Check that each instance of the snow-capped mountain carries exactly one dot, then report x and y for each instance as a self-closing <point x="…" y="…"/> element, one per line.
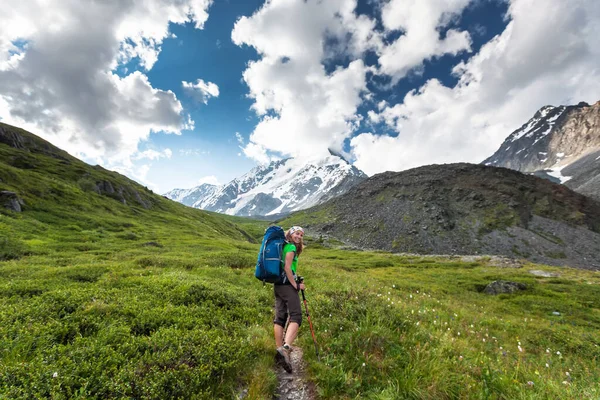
<point x="559" y="143"/>
<point x="191" y="196"/>
<point x="278" y="188"/>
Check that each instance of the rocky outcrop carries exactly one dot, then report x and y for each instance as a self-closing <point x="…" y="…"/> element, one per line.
<point x="11" y="201"/>
<point x="578" y="134"/>
<point x="122" y="193"/>
<point x="501" y="287"/>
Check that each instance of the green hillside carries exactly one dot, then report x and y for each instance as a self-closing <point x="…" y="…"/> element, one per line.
<point x="124" y="294"/>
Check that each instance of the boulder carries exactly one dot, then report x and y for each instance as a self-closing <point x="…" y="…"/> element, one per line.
<point x="10" y="200"/>
<point x="499" y="287"/>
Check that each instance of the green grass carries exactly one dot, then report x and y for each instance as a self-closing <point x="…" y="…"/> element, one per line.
<point x="104" y="314"/>
<point x="188" y="320"/>
<point x="422" y="329"/>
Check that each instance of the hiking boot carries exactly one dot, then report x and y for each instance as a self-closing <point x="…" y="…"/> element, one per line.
<point x="282" y="357"/>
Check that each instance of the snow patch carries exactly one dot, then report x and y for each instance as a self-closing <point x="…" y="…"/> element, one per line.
<point x="556" y="172"/>
<point x="528" y="129"/>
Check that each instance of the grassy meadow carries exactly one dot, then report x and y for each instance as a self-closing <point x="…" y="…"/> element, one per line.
<point x="105" y="300"/>
<point x="155" y="310"/>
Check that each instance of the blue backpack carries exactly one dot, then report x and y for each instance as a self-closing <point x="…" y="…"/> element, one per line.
<point x="268" y="265"/>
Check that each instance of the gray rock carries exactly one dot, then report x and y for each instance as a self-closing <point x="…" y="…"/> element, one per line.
<point x="11" y="201"/>
<point x="544" y="274"/>
<point x="499" y="287"/>
<point x="104" y="187"/>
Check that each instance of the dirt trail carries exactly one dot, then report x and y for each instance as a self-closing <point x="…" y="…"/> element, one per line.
<point x="294" y="386"/>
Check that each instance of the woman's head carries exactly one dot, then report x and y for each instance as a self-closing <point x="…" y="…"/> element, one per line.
<point x="295" y="235"/>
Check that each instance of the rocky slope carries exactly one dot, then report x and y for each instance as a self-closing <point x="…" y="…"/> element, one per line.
<point x="559" y="143"/>
<point x="463" y="209"/>
<point x="278" y="188"/>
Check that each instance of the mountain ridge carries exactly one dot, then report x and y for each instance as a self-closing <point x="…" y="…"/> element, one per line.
<point x="462" y="209"/>
<point x="558" y="143"/>
<point x="281" y="187"/>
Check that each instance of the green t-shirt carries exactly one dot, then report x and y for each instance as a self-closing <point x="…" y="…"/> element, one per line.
<point x="286" y="249"/>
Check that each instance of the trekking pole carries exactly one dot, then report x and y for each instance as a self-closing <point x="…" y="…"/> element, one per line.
<point x="312" y="332"/>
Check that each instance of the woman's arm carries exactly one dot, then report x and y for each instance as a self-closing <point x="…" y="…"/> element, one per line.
<point x="289" y="258"/>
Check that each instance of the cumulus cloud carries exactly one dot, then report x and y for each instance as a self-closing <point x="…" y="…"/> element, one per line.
<point x="257" y="153"/>
<point x="57" y="79"/>
<point x="201" y="90"/>
<point x="546" y="55"/>
<point x="420" y="22"/>
<point x="304" y="108"/>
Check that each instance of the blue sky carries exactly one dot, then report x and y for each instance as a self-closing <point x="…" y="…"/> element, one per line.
<point x="175" y="93"/>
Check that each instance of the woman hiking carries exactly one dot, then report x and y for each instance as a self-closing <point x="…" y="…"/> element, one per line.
<point x="287" y="302"/>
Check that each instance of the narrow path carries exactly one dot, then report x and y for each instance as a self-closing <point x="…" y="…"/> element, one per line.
<point x="294" y="386"/>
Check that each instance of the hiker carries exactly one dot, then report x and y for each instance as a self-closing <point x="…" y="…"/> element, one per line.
<point x="287" y="301"/>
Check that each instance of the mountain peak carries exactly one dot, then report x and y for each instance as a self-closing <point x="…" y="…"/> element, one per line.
<point x="280" y="187"/>
<point x="559" y="143"/>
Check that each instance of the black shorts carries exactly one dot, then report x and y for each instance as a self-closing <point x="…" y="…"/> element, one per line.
<point x="287" y="303"/>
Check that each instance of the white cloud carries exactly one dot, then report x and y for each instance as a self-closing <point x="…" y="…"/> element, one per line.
<point x="211" y="179"/>
<point x="153" y="154"/>
<point x="420" y="22"/>
<point x="257" y="152"/>
<point x="304" y="109"/>
<point x="546" y="55"/>
<point x="57" y="59"/>
<point x="201" y="90"/>
<point x="193" y="152"/>
<point x="239" y="138"/>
